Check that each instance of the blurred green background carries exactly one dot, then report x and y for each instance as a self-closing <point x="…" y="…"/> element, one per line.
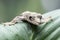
<point x="11" y="8"/>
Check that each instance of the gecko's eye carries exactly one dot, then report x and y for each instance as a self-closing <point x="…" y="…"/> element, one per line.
<point x="31" y="18"/>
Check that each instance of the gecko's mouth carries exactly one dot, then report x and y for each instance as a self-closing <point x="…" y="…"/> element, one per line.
<point x="39" y="23"/>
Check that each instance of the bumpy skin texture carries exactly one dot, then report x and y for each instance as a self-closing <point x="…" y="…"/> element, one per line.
<point x="32" y="17"/>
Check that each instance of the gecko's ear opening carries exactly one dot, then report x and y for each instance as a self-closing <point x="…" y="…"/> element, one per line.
<point x="31" y="18"/>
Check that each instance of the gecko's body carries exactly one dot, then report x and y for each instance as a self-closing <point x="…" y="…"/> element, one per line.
<point x="32" y="17"/>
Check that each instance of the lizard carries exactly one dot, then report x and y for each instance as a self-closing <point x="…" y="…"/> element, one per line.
<point x="32" y="17"/>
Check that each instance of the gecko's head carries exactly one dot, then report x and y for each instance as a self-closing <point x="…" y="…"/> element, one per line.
<point x="33" y="17"/>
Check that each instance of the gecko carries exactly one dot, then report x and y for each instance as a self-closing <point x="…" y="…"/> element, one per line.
<point x="32" y="17"/>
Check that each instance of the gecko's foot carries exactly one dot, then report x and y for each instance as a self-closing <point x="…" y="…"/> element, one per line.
<point x="8" y="23"/>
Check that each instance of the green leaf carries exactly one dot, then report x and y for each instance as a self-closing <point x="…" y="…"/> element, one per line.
<point x="19" y="31"/>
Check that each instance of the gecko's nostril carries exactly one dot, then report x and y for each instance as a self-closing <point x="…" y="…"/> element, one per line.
<point x="40" y="17"/>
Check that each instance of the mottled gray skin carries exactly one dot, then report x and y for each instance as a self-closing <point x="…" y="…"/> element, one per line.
<point x="32" y="17"/>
